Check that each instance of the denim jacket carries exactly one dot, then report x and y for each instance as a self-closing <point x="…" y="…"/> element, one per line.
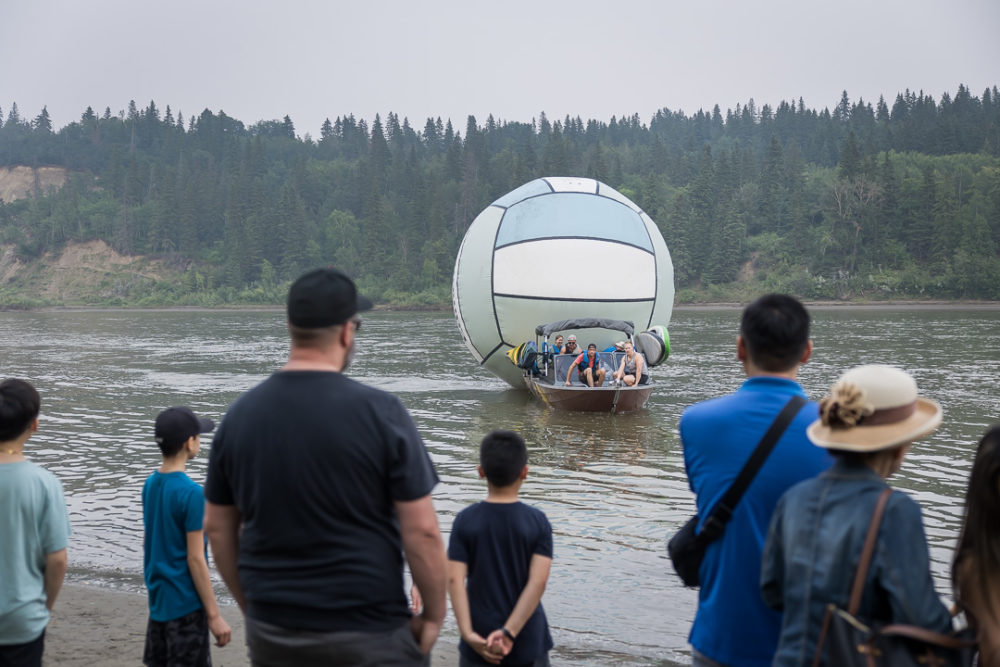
<point x="812" y="551"/>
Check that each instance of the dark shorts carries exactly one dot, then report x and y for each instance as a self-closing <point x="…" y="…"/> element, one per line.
<point x="541" y="661"/>
<point x="28" y="654"/>
<point x="178" y="643"/>
<point x="273" y="646"/>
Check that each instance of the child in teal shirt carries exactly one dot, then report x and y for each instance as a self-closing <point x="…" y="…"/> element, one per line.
<point x="182" y="606"/>
<point x="34" y="528"/>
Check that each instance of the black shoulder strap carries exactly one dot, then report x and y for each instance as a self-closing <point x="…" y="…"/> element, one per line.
<point x="723" y="510"/>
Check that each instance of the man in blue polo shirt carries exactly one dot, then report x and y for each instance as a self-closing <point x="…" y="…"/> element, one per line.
<point x="733" y="626"/>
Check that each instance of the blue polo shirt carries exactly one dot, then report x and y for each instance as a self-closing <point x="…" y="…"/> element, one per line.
<point x="733" y="625"/>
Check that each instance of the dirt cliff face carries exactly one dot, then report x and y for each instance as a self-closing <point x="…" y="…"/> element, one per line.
<point x="21" y="182"/>
<point x="77" y="273"/>
<point x="81" y="274"/>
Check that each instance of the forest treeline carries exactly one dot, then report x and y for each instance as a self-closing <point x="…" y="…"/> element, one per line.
<point x="858" y="201"/>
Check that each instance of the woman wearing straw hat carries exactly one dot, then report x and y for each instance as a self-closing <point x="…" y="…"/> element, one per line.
<point x="868" y="422"/>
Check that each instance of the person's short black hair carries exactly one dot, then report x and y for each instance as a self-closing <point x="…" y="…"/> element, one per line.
<point x="503" y="455"/>
<point x="19" y="407"/>
<point x="775" y="331"/>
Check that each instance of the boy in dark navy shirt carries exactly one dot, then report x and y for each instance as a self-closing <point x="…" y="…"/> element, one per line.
<point x="499" y="555"/>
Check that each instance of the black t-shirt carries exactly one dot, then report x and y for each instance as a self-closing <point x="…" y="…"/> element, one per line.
<point x="496" y="542"/>
<point x="314" y="461"/>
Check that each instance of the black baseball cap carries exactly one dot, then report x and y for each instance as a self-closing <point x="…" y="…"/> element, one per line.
<point x="324" y="298"/>
<point x="175" y="425"/>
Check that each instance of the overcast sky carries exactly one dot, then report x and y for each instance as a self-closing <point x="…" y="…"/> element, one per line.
<point x="263" y="59"/>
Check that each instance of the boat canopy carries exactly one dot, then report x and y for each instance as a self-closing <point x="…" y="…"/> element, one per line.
<point x="585" y="323"/>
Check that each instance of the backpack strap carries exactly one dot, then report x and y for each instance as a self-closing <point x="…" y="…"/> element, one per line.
<point x="723" y="510"/>
<point x="866" y="552"/>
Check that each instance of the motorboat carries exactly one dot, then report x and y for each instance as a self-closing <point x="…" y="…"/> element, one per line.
<point x="544" y="370"/>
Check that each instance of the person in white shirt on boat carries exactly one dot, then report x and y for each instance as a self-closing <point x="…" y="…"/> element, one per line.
<point x="571" y="346"/>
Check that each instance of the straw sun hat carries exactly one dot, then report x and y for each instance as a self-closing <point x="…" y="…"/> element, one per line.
<point x="871" y="408"/>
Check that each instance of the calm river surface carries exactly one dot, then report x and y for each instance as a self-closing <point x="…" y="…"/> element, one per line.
<point x="613" y="487"/>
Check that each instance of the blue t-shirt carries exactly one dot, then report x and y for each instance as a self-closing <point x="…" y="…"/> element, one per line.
<point x="172" y="507"/>
<point x="496" y="542"/>
<point x="733" y="625"/>
<point x="33" y="524"/>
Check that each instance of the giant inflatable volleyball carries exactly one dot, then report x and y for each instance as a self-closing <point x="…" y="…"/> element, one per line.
<point x="557" y="249"/>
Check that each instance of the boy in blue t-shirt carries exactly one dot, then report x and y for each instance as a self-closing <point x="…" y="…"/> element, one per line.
<point x="182" y="607"/>
<point x="499" y="555"/>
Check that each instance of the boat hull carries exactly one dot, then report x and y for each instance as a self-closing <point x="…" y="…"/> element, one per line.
<point x="578" y="398"/>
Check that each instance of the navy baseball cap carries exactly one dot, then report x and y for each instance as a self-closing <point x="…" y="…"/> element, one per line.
<point x="175" y="425"/>
<point x="324" y="298"/>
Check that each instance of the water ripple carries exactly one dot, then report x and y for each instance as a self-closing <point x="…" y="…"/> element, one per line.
<point x="613" y="487"/>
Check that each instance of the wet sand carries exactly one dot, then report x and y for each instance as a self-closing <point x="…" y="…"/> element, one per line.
<point x="100" y="626"/>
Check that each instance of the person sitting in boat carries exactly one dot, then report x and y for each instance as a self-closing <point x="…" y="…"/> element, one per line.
<point x="557" y="347"/>
<point x="571" y="346"/>
<point x="617" y="347"/>
<point x="632" y="368"/>
<point x="588" y="368"/>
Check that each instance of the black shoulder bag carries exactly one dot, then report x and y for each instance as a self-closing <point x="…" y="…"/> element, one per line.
<point x="687" y="547"/>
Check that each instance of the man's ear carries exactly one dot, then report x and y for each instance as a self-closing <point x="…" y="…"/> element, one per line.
<point x="741" y="348"/>
<point x="482" y="473"/>
<point x="806" y="353"/>
<point x="524" y="472"/>
<point x="346" y="331"/>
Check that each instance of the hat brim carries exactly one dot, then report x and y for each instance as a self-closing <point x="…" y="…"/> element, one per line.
<point x="205" y="425"/>
<point x="925" y="418"/>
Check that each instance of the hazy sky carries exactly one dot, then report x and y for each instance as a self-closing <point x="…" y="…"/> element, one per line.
<point x="315" y="59"/>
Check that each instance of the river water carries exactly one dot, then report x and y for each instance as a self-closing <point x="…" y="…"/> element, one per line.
<point x="612" y="486"/>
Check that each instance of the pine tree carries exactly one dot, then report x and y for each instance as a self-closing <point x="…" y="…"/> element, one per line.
<point x="42" y="122"/>
<point x="844" y="108"/>
<point x="379" y="154"/>
<point x="596" y="167"/>
<point x="326" y="130"/>
<point x="850" y="158"/>
<point x="13" y="117"/>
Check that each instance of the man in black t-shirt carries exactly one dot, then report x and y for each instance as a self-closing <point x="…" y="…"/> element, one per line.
<point x="316" y="487"/>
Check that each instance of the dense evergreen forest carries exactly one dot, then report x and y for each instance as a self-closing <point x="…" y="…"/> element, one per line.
<point x="862" y="201"/>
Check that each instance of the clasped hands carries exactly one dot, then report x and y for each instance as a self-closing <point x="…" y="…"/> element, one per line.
<point x="493" y="648"/>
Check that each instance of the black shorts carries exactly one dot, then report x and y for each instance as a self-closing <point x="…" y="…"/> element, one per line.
<point x="178" y="643"/>
<point x="28" y="654"/>
<point x="274" y="646"/>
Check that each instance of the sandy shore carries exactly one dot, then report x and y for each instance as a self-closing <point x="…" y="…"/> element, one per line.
<point x="101" y="626"/>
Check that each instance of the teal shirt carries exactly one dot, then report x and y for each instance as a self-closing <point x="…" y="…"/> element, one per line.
<point x="33" y="524"/>
<point x="172" y="507"/>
